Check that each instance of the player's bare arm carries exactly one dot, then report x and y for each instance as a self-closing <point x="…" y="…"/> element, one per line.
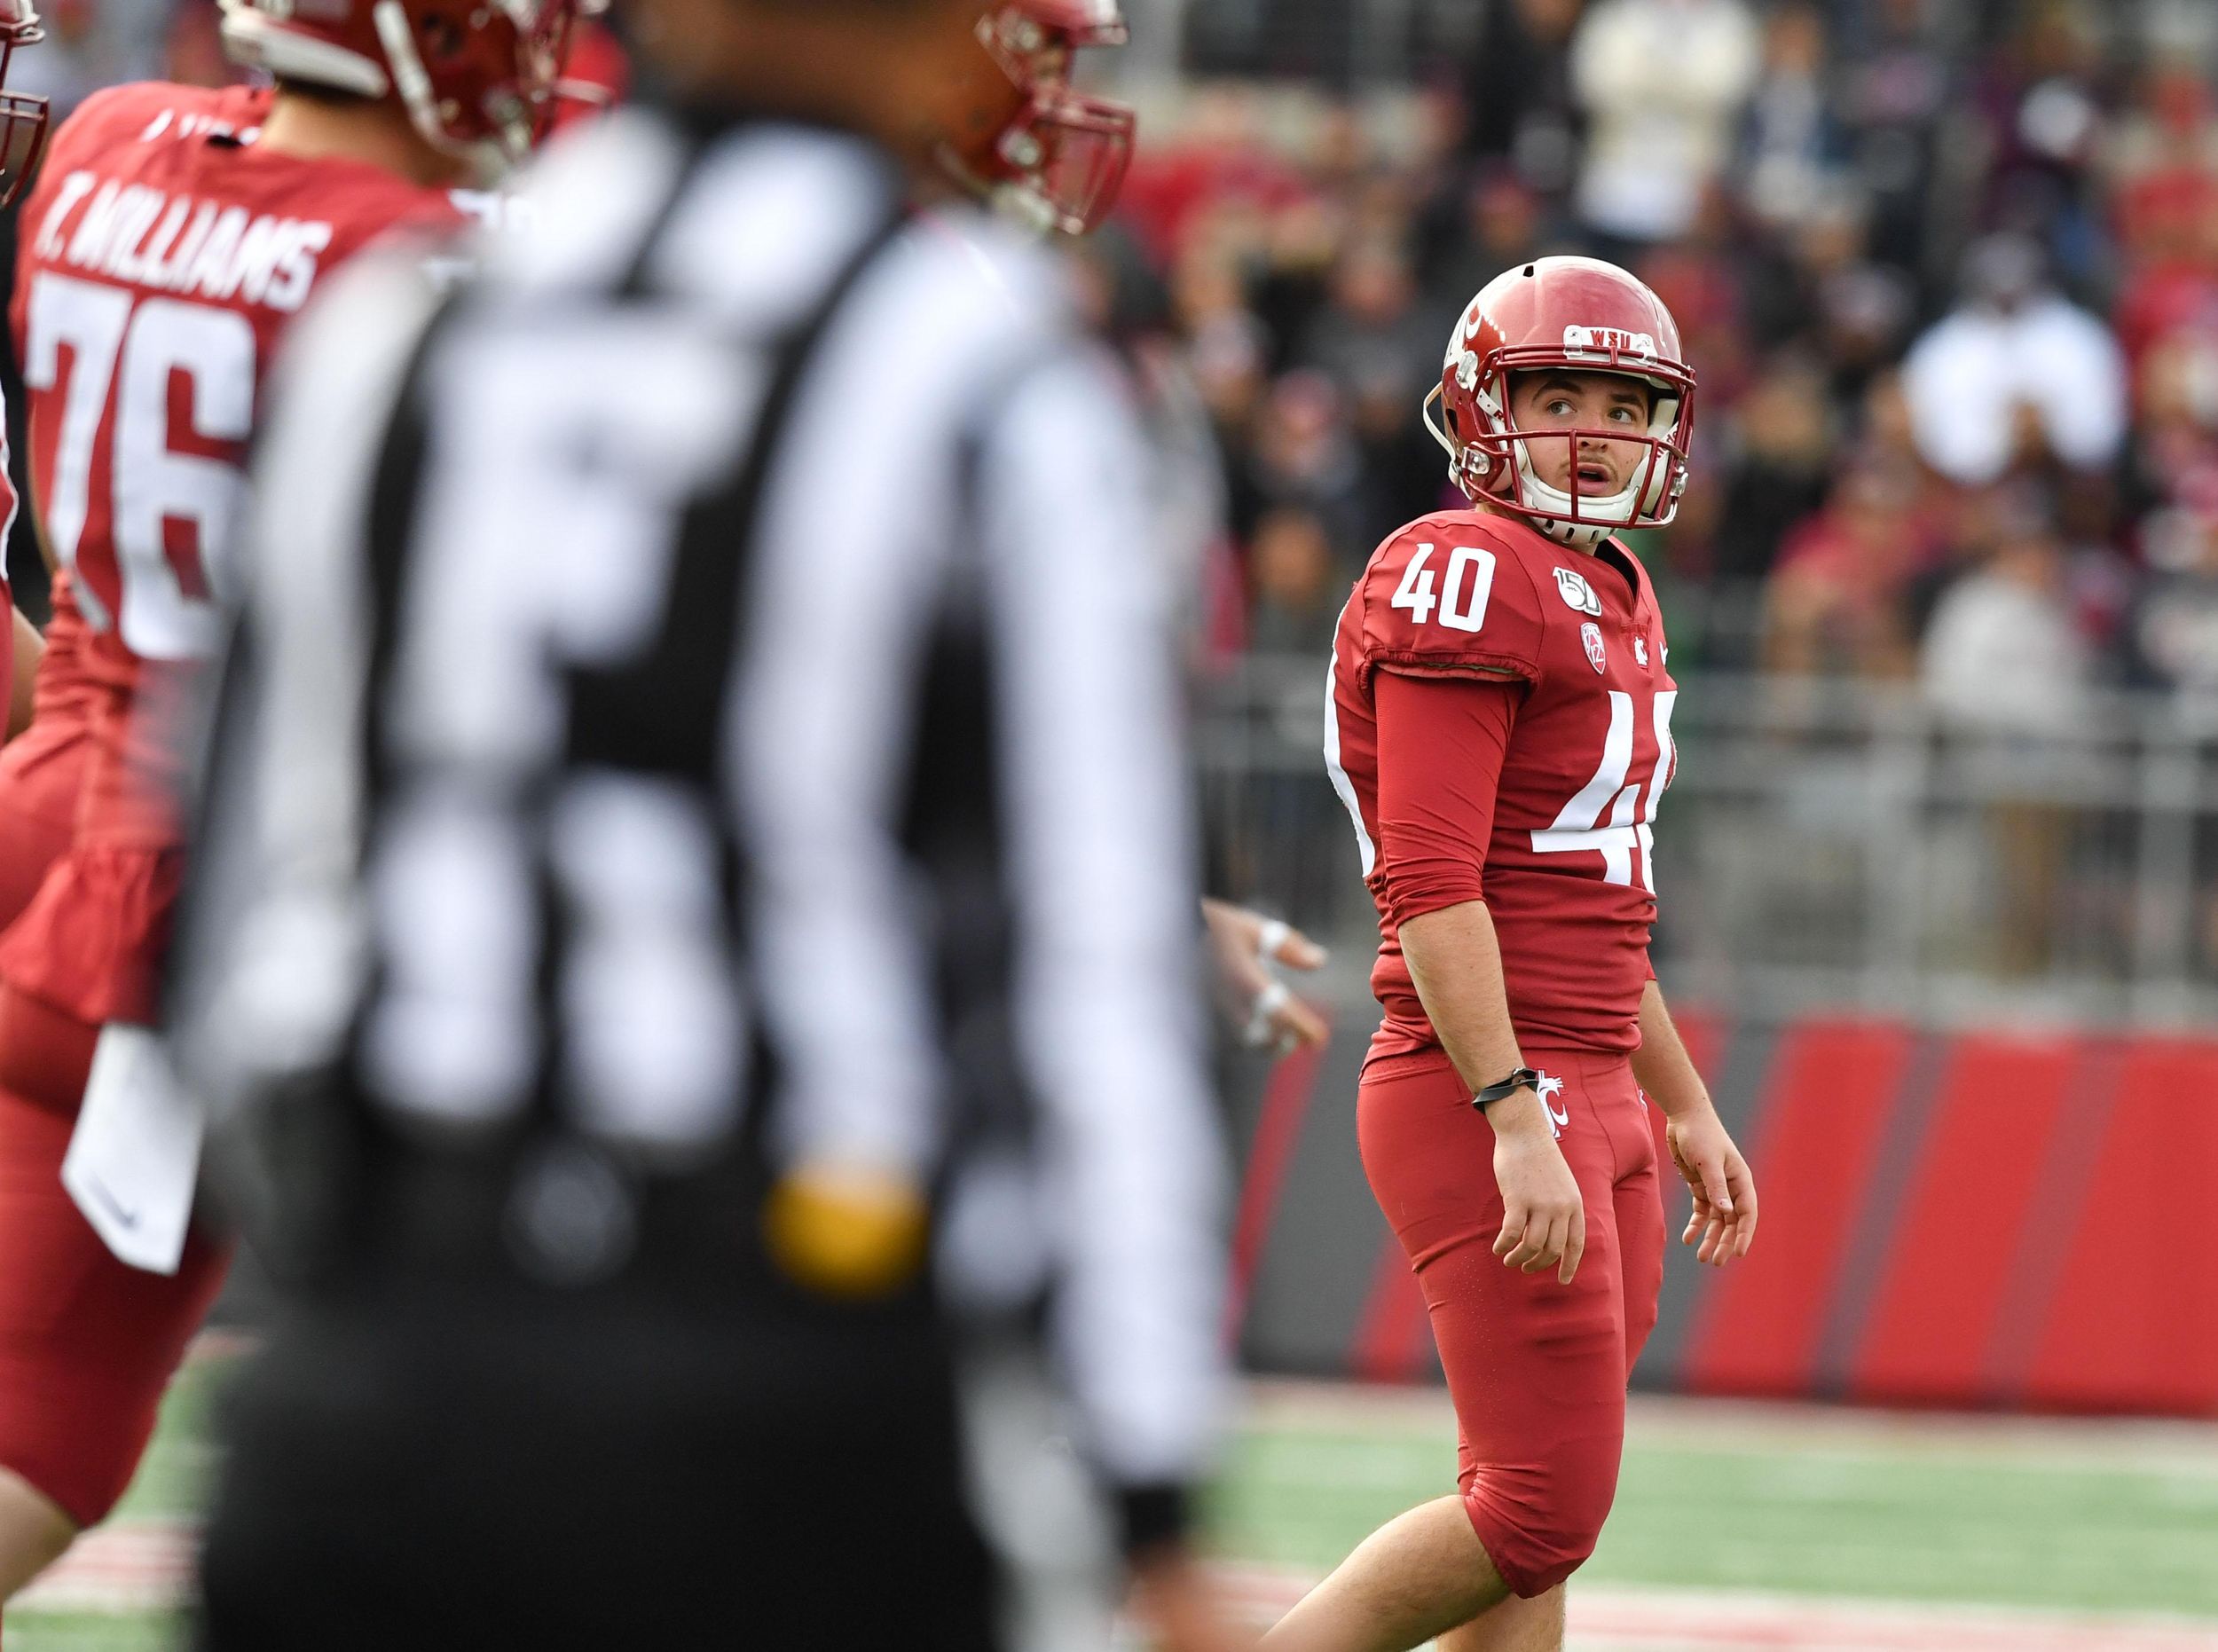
<point x="1456" y="963"/>
<point x="1723" y="1225"/>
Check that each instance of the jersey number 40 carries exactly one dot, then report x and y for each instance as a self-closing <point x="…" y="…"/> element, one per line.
<point x="1462" y="603"/>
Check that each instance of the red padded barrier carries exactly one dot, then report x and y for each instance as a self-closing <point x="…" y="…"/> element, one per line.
<point x="1391" y="1338"/>
<point x="2132" y="1322"/>
<point x="1960" y="1227"/>
<point x="1817" y="1128"/>
<point x="1277" y="1133"/>
<point x="1704" y="1033"/>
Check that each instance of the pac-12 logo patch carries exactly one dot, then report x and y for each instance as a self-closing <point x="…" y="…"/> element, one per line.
<point x="1591" y="635"/>
<point x="1576" y="594"/>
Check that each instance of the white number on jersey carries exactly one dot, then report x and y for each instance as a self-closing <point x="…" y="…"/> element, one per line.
<point x="1415" y="592"/>
<point x="149" y="484"/>
<point x="1615" y="792"/>
<point x="546" y="544"/>
<point x="1463" y="603"/>
<point x="1463" y="607"/>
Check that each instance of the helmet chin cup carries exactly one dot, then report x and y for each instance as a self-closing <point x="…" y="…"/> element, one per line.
<point x="1497" y="471"/>
<point x="1571" y="533"/>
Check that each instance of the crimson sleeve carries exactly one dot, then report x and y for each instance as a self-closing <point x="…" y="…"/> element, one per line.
<point x="1450" y="596"/>
<point x="1441" y="745"/>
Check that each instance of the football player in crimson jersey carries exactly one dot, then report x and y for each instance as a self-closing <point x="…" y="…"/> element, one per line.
<point x="23" y="121"/>
<point x="1499" y="727"/>
<point x="174" y="233"/>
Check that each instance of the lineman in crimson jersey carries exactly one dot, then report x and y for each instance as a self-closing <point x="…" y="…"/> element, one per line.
<point x="174" y="234"/>
<point x="23" y="122"/>
<point x="1499" y="727"/>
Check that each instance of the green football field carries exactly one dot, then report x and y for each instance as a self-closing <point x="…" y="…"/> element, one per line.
<point x="1735" y="1525"/>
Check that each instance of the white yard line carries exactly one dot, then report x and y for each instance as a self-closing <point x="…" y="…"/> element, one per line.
<point x="134" y="1566"/>
<point x="1617" y="1619"/>
<point x="2135" y="1445"/>
<point x="146" y="1566"/>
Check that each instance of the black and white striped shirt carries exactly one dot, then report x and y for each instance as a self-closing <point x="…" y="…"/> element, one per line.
<point x="711" y="706"/>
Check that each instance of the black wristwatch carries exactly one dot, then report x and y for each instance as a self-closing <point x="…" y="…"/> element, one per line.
<point x="1524" y="1078"/>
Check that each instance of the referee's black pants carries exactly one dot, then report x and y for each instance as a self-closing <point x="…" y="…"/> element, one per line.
<point x="460" y="1476"/>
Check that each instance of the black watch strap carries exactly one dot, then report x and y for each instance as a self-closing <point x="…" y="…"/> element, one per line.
<point x="1524" y="1078"/>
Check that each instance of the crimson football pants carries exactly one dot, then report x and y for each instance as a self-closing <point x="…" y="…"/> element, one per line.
<point x="1537" y="1369"/>
<point x="87" y="1344"/>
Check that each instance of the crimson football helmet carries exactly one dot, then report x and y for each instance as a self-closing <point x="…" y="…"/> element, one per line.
<point x="1574" y="315"/>
<point x="470" y="73"/>
<point x="1059" y="162"/>
<point x="23" y="116"/>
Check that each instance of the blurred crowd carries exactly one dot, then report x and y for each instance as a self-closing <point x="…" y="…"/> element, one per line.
<point x="1947" y="270"/>
<point x="1948" y="273"/>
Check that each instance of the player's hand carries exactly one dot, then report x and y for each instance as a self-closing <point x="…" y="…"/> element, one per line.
<point x="1723" y="1225"/>
<point x="1180" y="1609"/>
<point x="1246" y="945"/>
<point x="1543" y="1218"/>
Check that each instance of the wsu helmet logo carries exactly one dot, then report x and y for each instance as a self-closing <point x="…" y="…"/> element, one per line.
<point x="1606" y="341"/>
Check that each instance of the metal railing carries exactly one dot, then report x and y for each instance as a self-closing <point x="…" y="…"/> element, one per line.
<point x="1833" y="845"/>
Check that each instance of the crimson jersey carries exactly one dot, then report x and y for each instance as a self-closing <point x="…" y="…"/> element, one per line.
<point x="1566" y="871"/>
<point x="162" y="255"/>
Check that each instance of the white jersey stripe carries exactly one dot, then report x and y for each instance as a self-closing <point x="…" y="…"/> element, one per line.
<point x="1341" y="784"/>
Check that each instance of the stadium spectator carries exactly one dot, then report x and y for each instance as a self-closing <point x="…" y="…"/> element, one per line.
<point x="1663" y="83"/>
<point x="1792" y="144"/>
<point x="2172" y="633"/>
<point x="2002" y="653"/>
<point x="1786" y="452"/>
<point x="2003" y="661"/>
<point x="1305" y="455"/>
<point x="1838" y="603"/>
<point x="1525" y="115"/>
<point x="1299" y="584"/>
<point x="2040" y="103"/>
<point x="1894" y="78"/>
<point x="1369" y="331"/>
<point x="2015" y="373"/>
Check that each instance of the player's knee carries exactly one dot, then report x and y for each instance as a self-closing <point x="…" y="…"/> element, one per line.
<point x="1540" y="1524"/>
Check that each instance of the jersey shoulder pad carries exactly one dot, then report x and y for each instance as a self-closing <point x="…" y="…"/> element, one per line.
<point x="149" y="111"/>
<point x="104" y="118"/>
<point x="1451" y="595"/>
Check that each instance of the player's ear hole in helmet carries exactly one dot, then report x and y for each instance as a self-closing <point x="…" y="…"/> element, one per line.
<point x="1572" y="316"/>
<point x="23" y="116"/>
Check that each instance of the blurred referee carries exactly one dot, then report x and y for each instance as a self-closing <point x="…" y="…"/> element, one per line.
<point x="696" y="934"/>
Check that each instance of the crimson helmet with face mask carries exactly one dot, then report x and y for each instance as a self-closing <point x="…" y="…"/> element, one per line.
<point x="1574" y="316"/>
<point x="1061" y="159"/>
<point x="474" y="75"/>
<point x="23" y="116"/>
